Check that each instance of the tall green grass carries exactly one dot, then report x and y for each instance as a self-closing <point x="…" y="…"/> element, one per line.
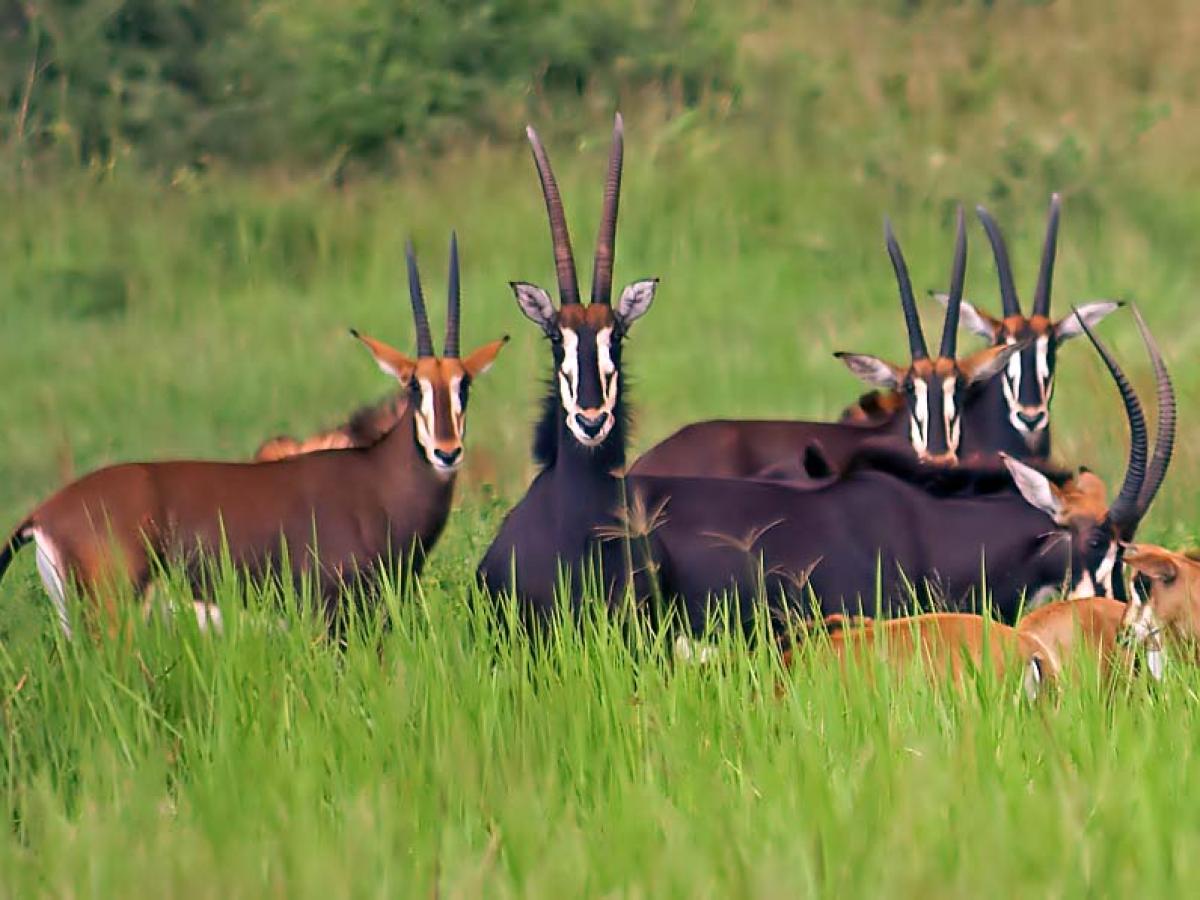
<point x="143" y="318"/>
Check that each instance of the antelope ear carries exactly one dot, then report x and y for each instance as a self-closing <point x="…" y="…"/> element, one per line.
<point x="1038" y="490"/>
<point x="481" y="360"/>
<point x="635" y="300"/>
<point x="1152" y="561"/>
<point x="872" y="370"/>
<point x="971" y="318"/>
<point x="536" y="304"/>
<point x="1093" y="313"/>
<point x="390" y="360"/>
<point x="988" y="363"/>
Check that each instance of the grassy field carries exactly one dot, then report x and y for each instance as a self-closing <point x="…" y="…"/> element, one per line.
<point x="197" y="315"/>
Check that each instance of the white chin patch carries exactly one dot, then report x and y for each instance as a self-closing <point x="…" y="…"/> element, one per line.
<point x="583" y="437"/>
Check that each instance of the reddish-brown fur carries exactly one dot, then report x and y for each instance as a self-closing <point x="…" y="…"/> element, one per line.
<point x="1090" y="625"/>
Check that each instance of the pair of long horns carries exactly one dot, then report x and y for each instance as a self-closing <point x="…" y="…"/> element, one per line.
<point x="424" y="337"/>
<point x="1008" y="290"/>
<point x="564" y="258"/>
<point x="1142" y="480"/>
<point x="912" y="321"/>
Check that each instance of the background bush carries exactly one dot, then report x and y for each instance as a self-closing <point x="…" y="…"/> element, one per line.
<point x="180" y="83"/>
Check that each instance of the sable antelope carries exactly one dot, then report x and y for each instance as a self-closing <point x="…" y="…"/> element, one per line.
<point x="580" y="438"/>
<point x="1015" y="408"/>
<point x="887" y="528"/>
<point x="341" y="514"/>
<point x="934" y="397"/>
<point x="364" y="428"/>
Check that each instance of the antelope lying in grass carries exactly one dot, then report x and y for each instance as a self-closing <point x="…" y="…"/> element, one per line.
<point x="948" y="645"/>
<point x="1042" y="645"/>
<point x="930" y="414"/>
<point x="341" y="515"/>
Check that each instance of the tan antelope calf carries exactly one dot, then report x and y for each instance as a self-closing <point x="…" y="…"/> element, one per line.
<point x="1094" y="626"/>
<point x="1166" y="596"/>
<point x="950" y="645"/>
<point x="341" y="516"/>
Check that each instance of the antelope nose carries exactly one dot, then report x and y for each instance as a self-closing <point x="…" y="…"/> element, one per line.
<point x="1031" y="419"/>
<point x="591" y="425"/>
<point x="448" y="457"/>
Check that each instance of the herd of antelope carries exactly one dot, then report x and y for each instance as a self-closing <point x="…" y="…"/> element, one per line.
<point x="934" y="491"/>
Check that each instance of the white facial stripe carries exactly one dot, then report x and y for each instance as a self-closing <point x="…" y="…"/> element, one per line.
<point x="1042" y="352"/>
<point x="920" y="416"/>
<point x="953" y="423"/>
<point x="568" y="373"/>
<point x="456" y="405"/>
<point x="608" y="370"/>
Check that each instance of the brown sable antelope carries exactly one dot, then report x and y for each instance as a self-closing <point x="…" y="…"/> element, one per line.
<point x="1018" y="402"/>
<point x="364" y="428"/>
<point x="950" y="645"/>
<point x="934" y="406"/>
<point x="341" y="515"/>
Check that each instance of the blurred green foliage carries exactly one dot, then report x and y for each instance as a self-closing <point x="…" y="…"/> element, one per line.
<point x="181" y="82"/>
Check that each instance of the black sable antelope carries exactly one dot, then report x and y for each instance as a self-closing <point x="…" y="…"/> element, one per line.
<point x="1018" y="402"/>
<point x="936" y="405"/>
<point x="923" y="527"/>
<point x="341" y="514"/>
<point x="580" y="440"/>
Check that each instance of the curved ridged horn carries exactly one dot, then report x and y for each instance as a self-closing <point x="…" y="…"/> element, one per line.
<point x="916" y="340"/>
<point x="451" y="351"/>
<point x="958" y="274"/>
<point x="606" y="238"/>
<point x="1164" y="437"/>
<point x="1008" y="290"/>
<point x="1041" y="296"/>
<point x="564" y="259"/>
<point x="1123" y="513"/>
<point x="424" y="340"/>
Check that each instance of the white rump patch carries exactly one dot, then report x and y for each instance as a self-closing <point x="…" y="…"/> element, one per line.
<point x="52" y="572"/>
